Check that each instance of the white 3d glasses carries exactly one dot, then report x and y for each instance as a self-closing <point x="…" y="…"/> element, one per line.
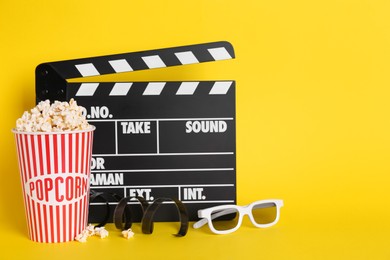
<point x="225" y="219"/>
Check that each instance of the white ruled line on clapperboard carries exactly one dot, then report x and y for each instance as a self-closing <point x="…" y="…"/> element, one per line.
<point x="154" y="139"/>
<point x="195" y="194"/>
<point x="115" y="121"/>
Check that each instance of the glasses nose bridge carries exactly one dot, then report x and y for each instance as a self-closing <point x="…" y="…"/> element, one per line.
<point x="246" y="210"/>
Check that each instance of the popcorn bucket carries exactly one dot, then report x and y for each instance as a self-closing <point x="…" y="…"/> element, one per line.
<point x="55" y="169"/>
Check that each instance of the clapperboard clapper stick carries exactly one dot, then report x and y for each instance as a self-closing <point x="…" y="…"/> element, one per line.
<point x="154" y="139"/>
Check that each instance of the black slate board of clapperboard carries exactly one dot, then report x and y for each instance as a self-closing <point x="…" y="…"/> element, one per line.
<point x="154" y="139"/>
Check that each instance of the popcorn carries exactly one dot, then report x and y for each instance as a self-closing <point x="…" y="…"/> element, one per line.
<point x="101" y="232"/>
<point x="82" y="237"/>
<point x="91" y="231"/>
<point x="59" y="116"/>
<point x="127" y="233"/>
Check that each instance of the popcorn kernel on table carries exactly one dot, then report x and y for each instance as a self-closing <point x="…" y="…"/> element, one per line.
<point x="101" y="232"/>
<point x="128" y="233"/>
<point x="89" y="231"/>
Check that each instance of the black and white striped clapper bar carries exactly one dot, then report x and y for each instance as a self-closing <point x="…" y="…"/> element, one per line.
<point x="154" y="139"/>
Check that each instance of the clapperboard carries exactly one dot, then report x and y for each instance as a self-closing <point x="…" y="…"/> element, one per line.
<point x="154" y="139"/>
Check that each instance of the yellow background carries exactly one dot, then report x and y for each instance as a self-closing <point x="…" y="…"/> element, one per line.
<point x="313" y="109"/>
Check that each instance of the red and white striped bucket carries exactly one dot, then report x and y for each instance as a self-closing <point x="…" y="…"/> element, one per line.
<point x="55" y="170"/>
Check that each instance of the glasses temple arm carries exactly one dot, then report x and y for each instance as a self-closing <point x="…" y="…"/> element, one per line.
<point x="203" y="221"/>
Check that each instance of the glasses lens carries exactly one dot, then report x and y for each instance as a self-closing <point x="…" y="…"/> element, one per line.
<point x="264" y="213"/>
<point x="226" y="219"/>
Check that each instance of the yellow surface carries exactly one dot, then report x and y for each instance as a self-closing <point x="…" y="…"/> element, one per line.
<point x="313" y="127"/>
